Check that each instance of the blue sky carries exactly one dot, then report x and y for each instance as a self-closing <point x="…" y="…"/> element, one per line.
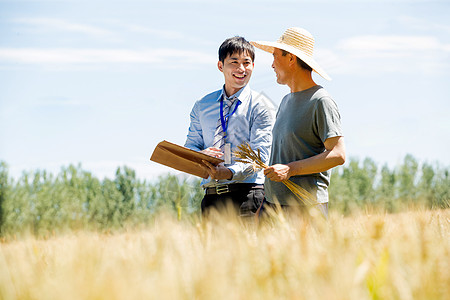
<point x="102" y="82"/>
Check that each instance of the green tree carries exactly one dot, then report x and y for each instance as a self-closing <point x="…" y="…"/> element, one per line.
<point x="4" y="191"/>
<point x="427" y="184"/>
<point x="406" y="176"/>
<point x="40" y="202"/>
<point x="442" y="189"/>
<point x="175" y="192"/>
<point x="339" y="190"/>
<point x="386" y="189"/>
<point x="126" y="184"/>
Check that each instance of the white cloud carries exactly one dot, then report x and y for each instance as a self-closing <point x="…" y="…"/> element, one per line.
<point x="99" y="56"/>
<point x="166" y="34"/>
<point x="58" y="101"/>
<point x="400" y="54"/>
<point x="418" y="25"/>
<point x="373" y="44"/>
<point x="328" y="60"/>
<point x="59" y="25"/>
<point x="63" y="25"/>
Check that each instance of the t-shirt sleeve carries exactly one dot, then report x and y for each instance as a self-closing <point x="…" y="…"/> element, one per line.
<point x="327" y="119"/>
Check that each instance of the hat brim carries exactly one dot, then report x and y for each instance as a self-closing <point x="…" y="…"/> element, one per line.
<point x="269" y="47"/>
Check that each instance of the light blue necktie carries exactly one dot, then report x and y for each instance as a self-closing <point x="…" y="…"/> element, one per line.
<point x="219" y="135"/>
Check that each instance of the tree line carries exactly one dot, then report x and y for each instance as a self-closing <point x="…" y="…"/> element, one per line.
<point x="40" y="202"/>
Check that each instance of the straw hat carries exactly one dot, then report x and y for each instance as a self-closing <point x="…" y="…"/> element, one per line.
<point x="299" y="42"/>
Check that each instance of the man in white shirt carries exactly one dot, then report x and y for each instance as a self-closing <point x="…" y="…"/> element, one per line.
<point x="226" y="118"/>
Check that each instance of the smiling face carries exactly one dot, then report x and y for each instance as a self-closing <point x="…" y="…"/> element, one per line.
<point x="280" y="65"/>
<point x="237" y="69"/>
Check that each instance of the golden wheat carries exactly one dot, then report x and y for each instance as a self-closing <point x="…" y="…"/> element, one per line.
<point x="366" y="256"/>
<point x="246" y="154"/>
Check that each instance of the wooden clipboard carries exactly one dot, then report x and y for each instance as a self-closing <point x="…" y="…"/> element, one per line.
<point x="182" y="158"/>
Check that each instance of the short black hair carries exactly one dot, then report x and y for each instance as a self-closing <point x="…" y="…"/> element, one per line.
<point x="300" y="62"/>
<point x="236" y="44"/>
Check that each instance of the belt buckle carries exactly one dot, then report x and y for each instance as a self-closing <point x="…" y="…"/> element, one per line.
<point x="222" y="189"/>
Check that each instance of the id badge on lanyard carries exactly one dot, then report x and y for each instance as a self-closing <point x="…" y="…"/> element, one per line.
<point x="224" y="122"/>
<point x="227" y="153"/>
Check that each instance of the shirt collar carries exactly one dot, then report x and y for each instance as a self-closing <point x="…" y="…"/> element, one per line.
<point x="241" y="95"/>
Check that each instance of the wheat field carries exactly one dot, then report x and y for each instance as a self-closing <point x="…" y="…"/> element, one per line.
<point x="363" y="256"/>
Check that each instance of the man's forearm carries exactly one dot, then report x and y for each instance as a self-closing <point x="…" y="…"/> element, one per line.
<point x="316" y="164"/>
<point x="333" y="156"/>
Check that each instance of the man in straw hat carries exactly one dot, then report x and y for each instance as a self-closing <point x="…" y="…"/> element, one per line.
<point x="307" y="135"/>
<point x="226" y="118"/>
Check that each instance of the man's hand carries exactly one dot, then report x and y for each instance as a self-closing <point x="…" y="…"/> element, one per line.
<point x="218" y="172"/>
<point x="278" y="172"/>
<point x="214" y="152"/>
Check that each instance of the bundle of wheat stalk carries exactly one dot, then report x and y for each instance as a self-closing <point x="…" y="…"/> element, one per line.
<point x="245" y="154"/>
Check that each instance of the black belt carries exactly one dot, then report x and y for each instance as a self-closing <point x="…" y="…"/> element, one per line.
<point x="230" y="188"/>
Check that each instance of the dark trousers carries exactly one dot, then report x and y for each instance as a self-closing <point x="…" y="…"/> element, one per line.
<point x="244" y="201"/>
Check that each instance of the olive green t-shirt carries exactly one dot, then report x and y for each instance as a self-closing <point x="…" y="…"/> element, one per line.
<point x="305" y="120"/>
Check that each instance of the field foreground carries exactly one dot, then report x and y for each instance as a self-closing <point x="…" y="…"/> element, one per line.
<point x="366" y="256"/>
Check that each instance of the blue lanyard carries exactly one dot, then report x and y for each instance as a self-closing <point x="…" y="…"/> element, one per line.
<point x="224" y="120"/>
